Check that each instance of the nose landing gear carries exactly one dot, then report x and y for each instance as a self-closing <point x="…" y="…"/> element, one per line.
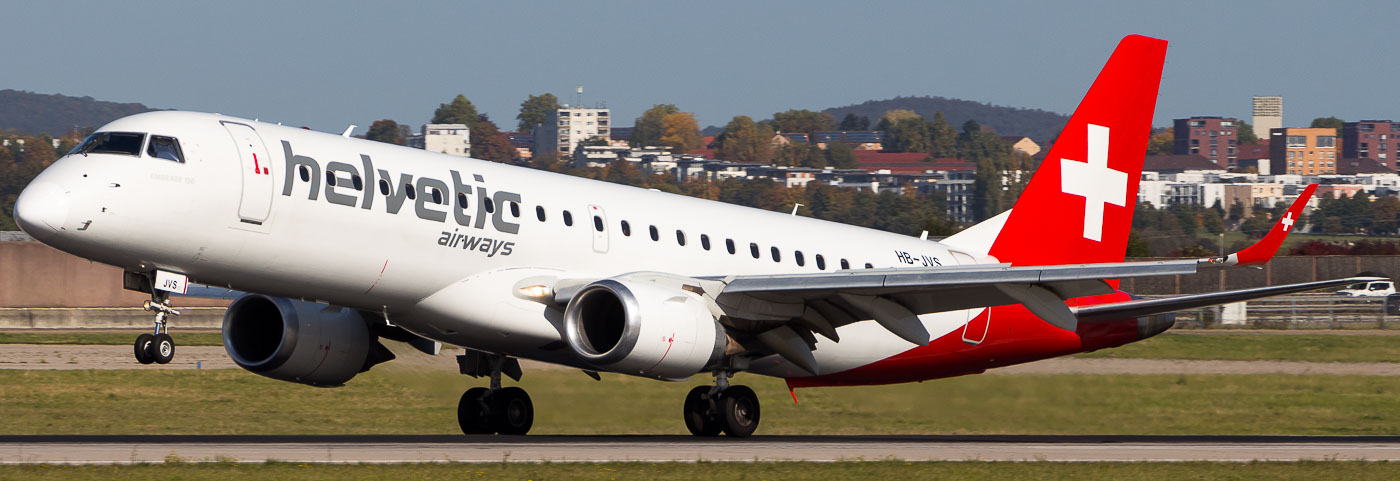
<point x="157" y="347"/>
<point x="733" y="410"/>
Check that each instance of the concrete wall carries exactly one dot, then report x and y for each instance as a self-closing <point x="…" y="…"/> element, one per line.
<point x="36" y="275"/>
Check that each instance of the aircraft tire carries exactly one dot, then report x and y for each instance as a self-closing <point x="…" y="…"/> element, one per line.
<point x="471" y="413"/>
<point x="162" y="348"/>
<point x="739" y="412"/>
<point x="511" y="411"/>
<point x="699" y="418"/>
<point x="142" y="349"/>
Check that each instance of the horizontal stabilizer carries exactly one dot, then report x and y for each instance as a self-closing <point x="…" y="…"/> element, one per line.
<point x="1124" y="310"/>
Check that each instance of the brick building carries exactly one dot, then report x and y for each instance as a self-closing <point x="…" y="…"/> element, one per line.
<point x="1371" y="139"/>
<point x="1214" y="138"/>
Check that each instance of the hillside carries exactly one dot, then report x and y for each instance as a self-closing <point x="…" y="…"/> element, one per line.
<point x="1033" y="123"/>
<point x="31" y="113"/>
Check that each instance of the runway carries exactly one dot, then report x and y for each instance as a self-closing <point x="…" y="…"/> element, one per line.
<point x="450" y="448"/>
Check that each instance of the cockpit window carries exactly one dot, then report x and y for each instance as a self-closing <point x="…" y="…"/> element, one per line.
<point x="125" y="143"/>
<point x="165" y="148"/>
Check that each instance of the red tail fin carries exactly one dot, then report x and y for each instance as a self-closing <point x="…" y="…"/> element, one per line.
<point x="1079" y="205"/>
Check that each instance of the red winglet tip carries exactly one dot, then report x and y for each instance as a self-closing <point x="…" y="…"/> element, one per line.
<point x="1262" y="251"/>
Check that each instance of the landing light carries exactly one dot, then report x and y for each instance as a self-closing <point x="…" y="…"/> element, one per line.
<point x="536" y="291"/>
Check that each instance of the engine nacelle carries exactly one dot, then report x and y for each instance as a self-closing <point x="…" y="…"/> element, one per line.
<point x="644" y="327"/>
<point x="300" y="341"/>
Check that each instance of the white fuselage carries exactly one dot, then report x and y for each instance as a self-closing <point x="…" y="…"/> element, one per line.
<point x="440" y="270"/>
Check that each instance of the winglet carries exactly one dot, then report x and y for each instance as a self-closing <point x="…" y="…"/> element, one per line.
<point x="1262" y="251"/>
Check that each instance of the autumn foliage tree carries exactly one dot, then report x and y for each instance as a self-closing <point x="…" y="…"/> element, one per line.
<point x="680" y="132"/>
<point x="744" y="141"/>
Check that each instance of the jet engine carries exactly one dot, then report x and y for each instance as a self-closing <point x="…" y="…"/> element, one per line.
<point x="650" y="327"/>
<point x="300" y="341"/>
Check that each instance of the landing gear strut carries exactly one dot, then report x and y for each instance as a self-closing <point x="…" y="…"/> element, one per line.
<point x="494" y="410"/>
<point x="731" y="409"/>
<point x="157" y="347"/>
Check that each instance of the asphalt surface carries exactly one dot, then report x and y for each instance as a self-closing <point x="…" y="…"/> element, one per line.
<point x="397" y="449"/>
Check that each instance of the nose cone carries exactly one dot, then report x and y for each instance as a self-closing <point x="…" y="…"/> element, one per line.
<point x="42" y="209"/>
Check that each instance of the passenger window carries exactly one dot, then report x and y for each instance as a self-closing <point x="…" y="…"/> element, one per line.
<point x="797" y="256"/>
<point x="597" y="223"/>
<point x="358" y="182"/>
<point x="680" y="237"/>
<point x="306" y="177"/>
<point x="165" y="148"/>
<point x="461" y="200"/>
<point x="777" y="257"/>
<point x="125" y="143"/>
<point x="704" y="242"/>
<point x="330" y="178"/>
<point x="568" y="219"/>
<point x="845" y="265"/>
<point x="383" y="184"/>
<point x="437" y="196"/>
<point x="654" y="235"/>
<point x="539" y="213"/>
<point x="626" y="229"/>
<point x="821" y="263"/>
<point x="753" y="249"/>
<point x="868" y="266"/>
<point x="412" y="193"/>
<point x="490" y="205"/>
<point x="729" y="245"/>
<point x="514" y="210"/>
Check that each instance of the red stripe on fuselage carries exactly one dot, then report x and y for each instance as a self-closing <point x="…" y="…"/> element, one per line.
<point x="1014" y="336"/>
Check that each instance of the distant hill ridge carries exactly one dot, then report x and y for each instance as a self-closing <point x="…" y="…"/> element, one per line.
<point x="54" y="114"/>
<point x="1034" y="123"/>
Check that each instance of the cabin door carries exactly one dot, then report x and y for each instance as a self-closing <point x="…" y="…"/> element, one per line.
<point x="256" y="173"/>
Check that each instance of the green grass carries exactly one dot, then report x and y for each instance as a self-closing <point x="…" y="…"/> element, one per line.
<point x="1255" y="347"/>
<point x="413" y="402"/>
<point x="1306" y="470"/>
<point x="106" y="338"/>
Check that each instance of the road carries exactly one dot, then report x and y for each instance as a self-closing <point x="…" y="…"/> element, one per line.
<point x="395" y="449"/>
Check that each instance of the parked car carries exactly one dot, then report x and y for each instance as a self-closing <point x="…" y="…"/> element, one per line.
<point x="1369" y="289"/>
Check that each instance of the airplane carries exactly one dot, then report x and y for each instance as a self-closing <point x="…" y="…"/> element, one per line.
<point x="332" y="243"/>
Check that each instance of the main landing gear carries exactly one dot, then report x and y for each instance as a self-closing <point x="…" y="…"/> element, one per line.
<point x="722" y="407"/>
<point x="494" y="410"/>
<point x="157" y="347"/>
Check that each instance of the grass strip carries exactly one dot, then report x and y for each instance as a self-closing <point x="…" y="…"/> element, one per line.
<point x="409" y="401"/>
<point x="106" y="338"/>
<point x="1305" y="470"/>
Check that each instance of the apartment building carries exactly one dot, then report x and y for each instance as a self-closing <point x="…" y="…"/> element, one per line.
<point x="1300" y="151"/>
<point x="565" y="127"/>
<point x="1372" y="139"/>
<point x="1214" y="138"/>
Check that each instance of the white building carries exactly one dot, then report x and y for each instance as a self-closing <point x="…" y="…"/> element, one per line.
<point x="452" y="139"/>
<point x="565" y="127"/>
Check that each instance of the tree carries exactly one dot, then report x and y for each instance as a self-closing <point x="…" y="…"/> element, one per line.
<point x="489" y="143"/>
<point x="805" y="121"/>
<point x="680" y="132"/>
<point x="905" y="131"/>
<point x="1328" y="122"/>
<point x="38" y="151"/>
<point x="743" y="141"/>
<point x="841" y="155"/>
<point x="385" y="130"/>
<point x="852" y="122"/>
<point x="647" y="130"/>
<point x="534" y="110"/>
<point x="1244" y="133"/>
<point x="976" y="143"/>
<point x="1161" y="143"/>
<point x="943" y="138"/>
<point x="460" y="111"/>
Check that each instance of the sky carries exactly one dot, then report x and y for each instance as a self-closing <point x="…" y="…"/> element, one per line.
<point x="328" y="64"/>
